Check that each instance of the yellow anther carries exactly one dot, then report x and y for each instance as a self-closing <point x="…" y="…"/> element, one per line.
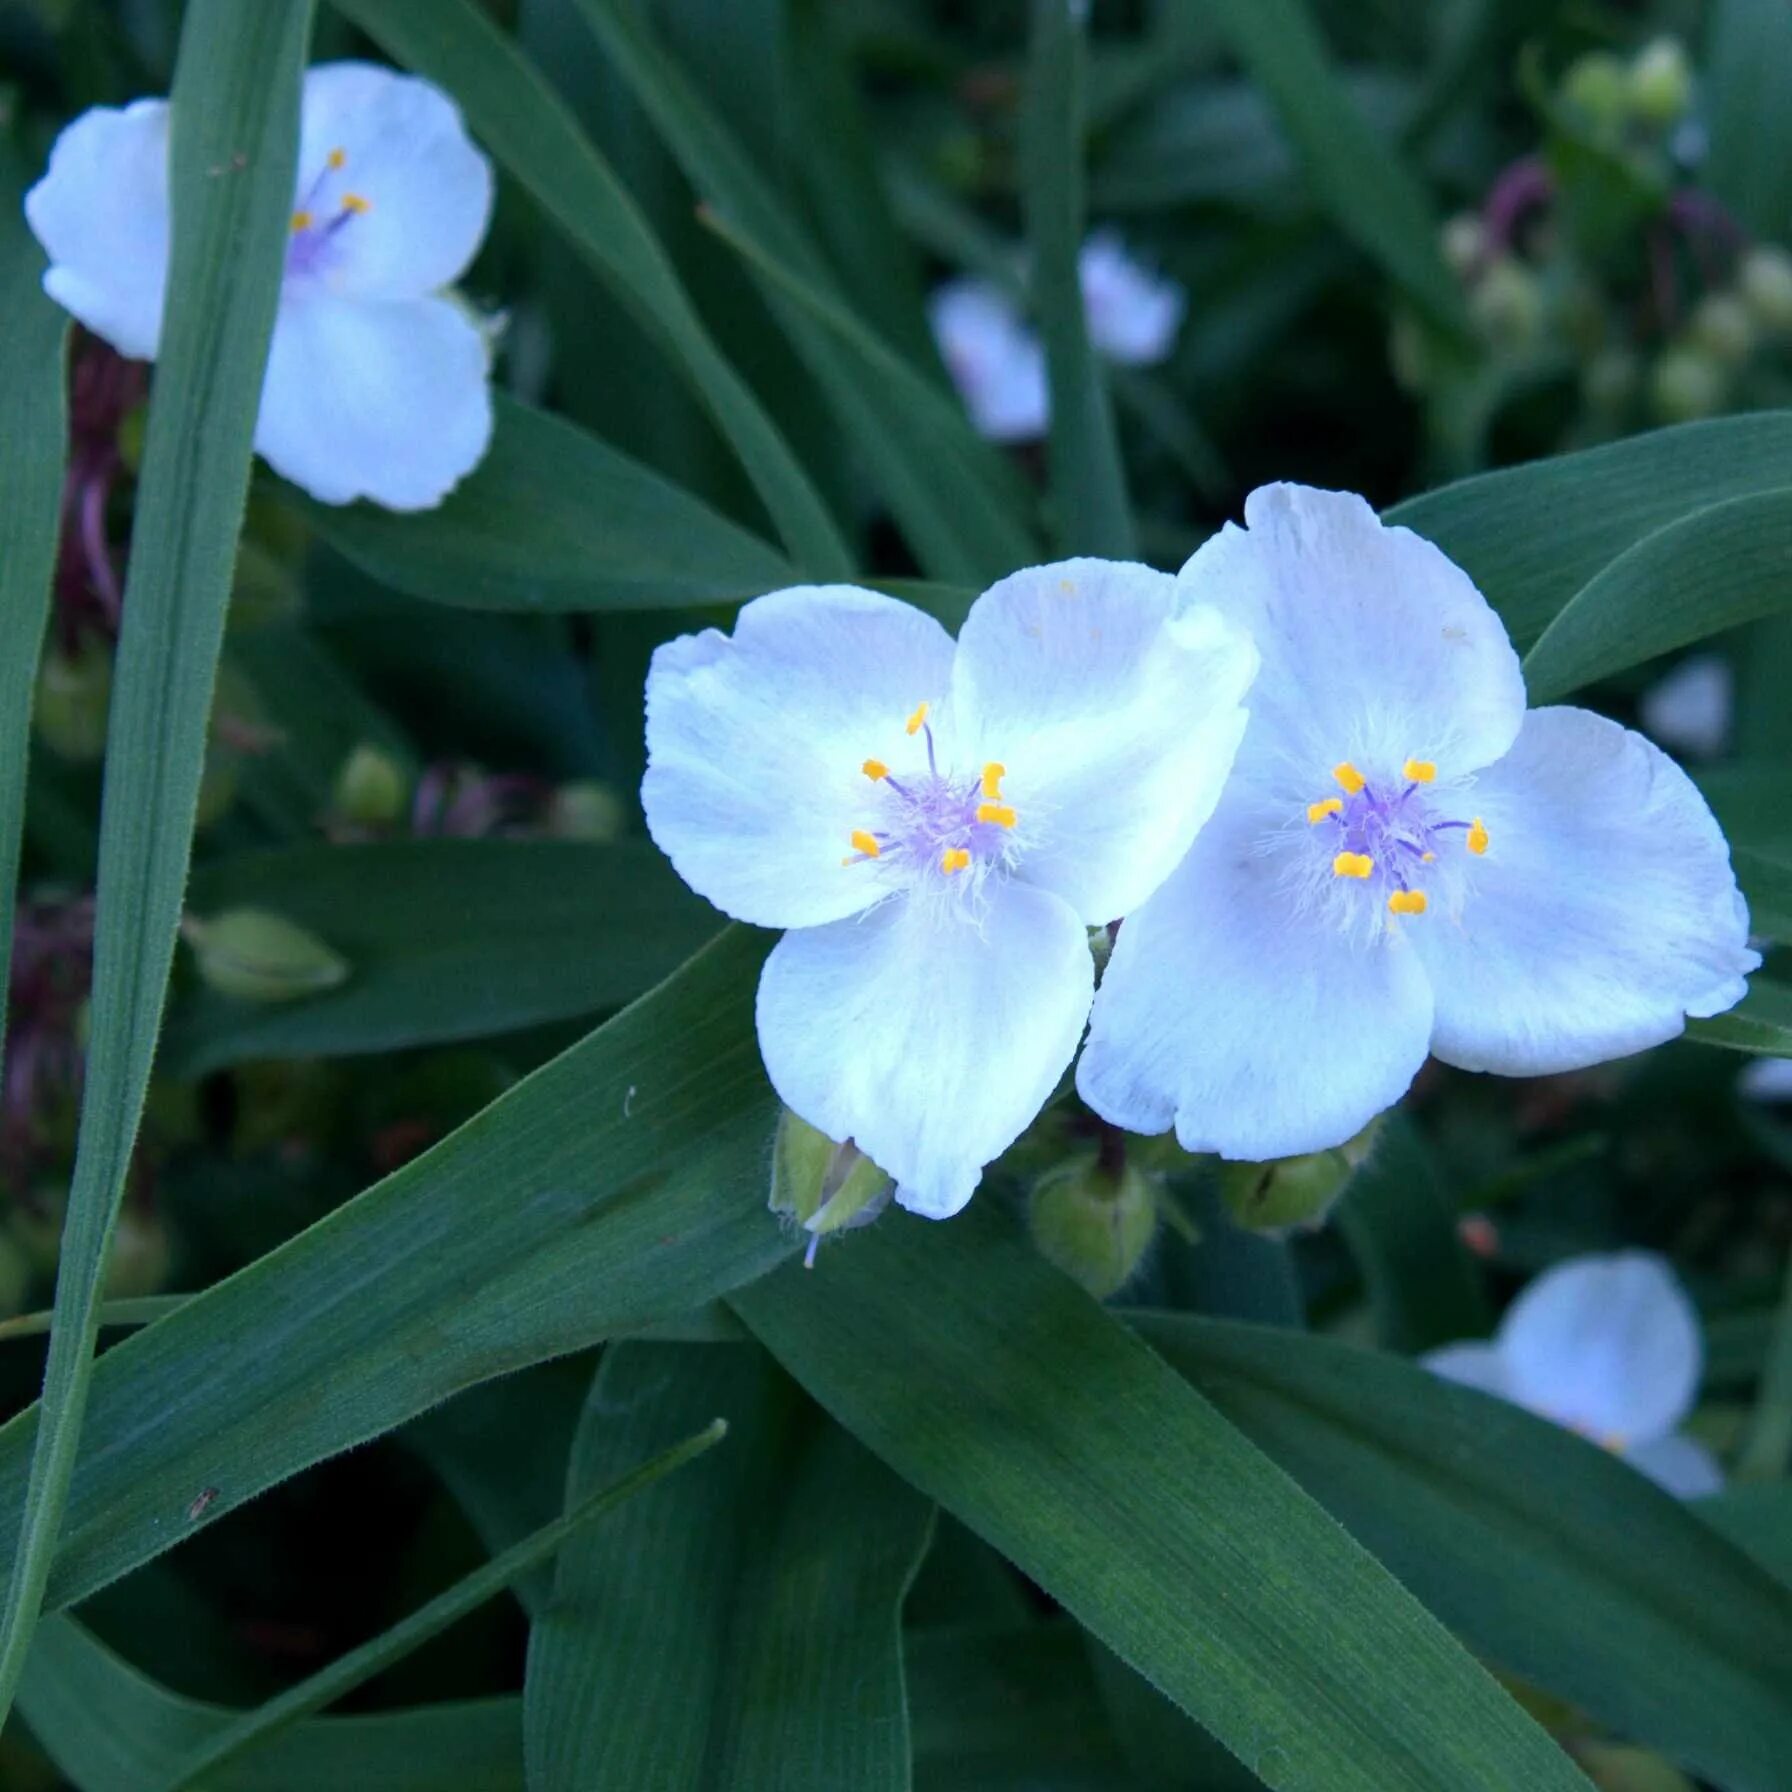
<point x="1349" y="776"/>
<point x="1407" y="902"/>
<point x="866" y="843"/>
<point x="1420" y="771"/>
<point x="875" y="769"/>
<point x="353" y="202"/>
<point x="993" y="774"/>
<point x="1352" y="864"/>
<point x="339" y="158"/>
<point x="1317" y="812"/>
<point x="1428" y="857"/>
<point x="302" y="221"/>
<point x="1477" y="836"/>
<point x="914" y="724"/>
<point x="954" y="858"/>
<point x="997" y="813"/>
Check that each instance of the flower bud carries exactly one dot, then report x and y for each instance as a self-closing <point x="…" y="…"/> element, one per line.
<point x="1687" y="383"/>
<point x="1507" y="304"/>
<point x="1765" y="280"/>
<point x="1094" y="1224"/>
<point x="1294" y="1193"/>
<point x="255" y="956"/>
<point x="371" y="787"/>
<point x="1722" y="326"/>
<point x="1463" y="241"/>
<point x="824" y="1186"/>
<point x="1659" y="83"/>
<point x="586" y="810"/>
<point x="1598" y="86"/>
<point x="74" y="692"/>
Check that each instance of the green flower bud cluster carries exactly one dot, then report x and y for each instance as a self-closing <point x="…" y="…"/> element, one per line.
<point x="1094" y="1222"/>
<point x="1293" y="1194"/>
<point x="822" y="1185"/>
<point x="1705" y="368"/>
<point x="1652" y="91"/>
<point x="251" y="955"/>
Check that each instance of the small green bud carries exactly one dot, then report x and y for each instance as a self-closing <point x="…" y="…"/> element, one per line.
<point x="1618" y="1767"/>
<point x="1598" y="86"/>
<point x="141" y="1257"/>
<point x="1294" y="1193"/>
<point x="1659" y="83"/>
<point x="1506" y="304"/>
<point x="255" y="956"/>
<point x="1765" y="280"/>
<point x="1094" y="1224"/>
<point x="1610" y="380"/>
<point x="1463" y="241"/>
<point x="371" y="787"/>
<point x="1687" y="383"/>
<point x="1722" y="326"/>
<point x="824" y="1186"/>
<point x="586" y="810"/>
<point x="74" y="692"/>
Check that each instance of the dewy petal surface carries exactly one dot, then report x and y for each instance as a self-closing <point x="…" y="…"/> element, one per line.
<point x="405" y="153"/>
<point x="1602" y="913"/>
<point x="1116" y="722"/>
<point x="1376" y="647"/>
<point x="383" y="401"/>
<point x="1608" y="1345"/>
<point x="929" y="1040"/>
<point x="1255" y="1031"/>
<point x="755" y="743"/>
<point x="101" y="213"/>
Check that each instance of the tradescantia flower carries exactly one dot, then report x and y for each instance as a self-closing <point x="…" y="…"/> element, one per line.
<point x="1607" y="1346"/>
<point x="1404" y="861"/>
<point x="377" y="381"/>
<point x="937" y="826"/>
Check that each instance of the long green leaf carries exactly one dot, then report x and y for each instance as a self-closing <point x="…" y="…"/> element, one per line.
<point x="1750" y="162"/>
<point x="1704" y="573"/>
<point x="1038" y="1419"/>
<point x="1761" y="1023"/>
<point x="445" y="939"/>
<point x="529" y="129"/>
<point x="1091" y="514"/>
<point x="744" y="1615"/>
<point x="1554" y="1559"/>
<point x="554" y="519"/>
<point x="622" y="1183"/>
<point x="232" y="151"/>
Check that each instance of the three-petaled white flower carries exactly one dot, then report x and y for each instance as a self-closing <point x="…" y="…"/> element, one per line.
<point x="998" y="363"/>
<point x="938" y="825"/>
<point x="1608" y="1346"/>
<point x="1404" y="861"/>
<point x="377" y="380"/>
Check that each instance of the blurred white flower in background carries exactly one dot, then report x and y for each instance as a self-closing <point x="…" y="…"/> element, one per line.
<point x="377" y="381"/>
<point x="997" y="361"/>
<point x="1688" y="710"/>
<point x="1767" y="1079"/>
<point x="1608" y="1346"/>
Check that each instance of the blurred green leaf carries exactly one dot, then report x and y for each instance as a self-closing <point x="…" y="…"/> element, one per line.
<point x="623" y="1182"/>
<point x="445" y="939"/>
<point x="1756" y="1517"/>
<point x="554" y="519"/>
<point x="1762" y="1023"/>
<point x="745" y="1615"/>
<point x="1035" y="1417"/>
<point x="1550" y="1556"/>
<point x="1749" y="164"/>
<point x="531" y="132"/>
<point x="233" y="146"/>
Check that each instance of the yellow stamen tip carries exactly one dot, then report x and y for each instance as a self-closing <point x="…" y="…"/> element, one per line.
<point x="954" y="858"/>
<point x="302" y="220"/>
<point x="1408" y="902"/>
<point x="1420" y="771"/>
<point x="339" y="158"/>
<point x="915" y="722"/>
<point x="1428" y="857"/>
<point x="875" y="769"/>
<point x="1477" y="836"/>
<point x="353" y="202"/>
<point x="866" y="843"/>
<point x="1317" y="812"/>
<point x="993" y="774"/>
<point x="999" y="814"/>
<point x="1352" y="864"/>
<point x="1349" y="776"/>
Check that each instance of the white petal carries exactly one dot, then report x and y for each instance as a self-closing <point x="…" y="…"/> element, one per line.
<point x="929" y="1041"/>
<point x="1603" y="911"/>
<point x="101" y="213"/>
<point x="1257" y="1030"/>
<point x="384" y="401"/>
<point x="1473" y="1365"/>
<point x="1766" y="1079"/>
<point x="1133" y="314"/>
<point x="1680" y="1464"/>
<point x="406" y="153"/>
<point x="1376" y="647"/>
<point x="755" y="743"/>
<point x="996" y="362"/>
<point x="1689" y="710"/>
<point x="1116" y="722"/>
<point x="1606" y="1344"/>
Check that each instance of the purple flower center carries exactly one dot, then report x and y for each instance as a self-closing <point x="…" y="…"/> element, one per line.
<point x="1387" y="834"/>
<point x="321" y="217"/>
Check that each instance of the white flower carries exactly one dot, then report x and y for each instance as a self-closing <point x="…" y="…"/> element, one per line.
<point x="1689" y="709"/>
<point x="377" y="376"/>
<point x="1608" y="1347"/>
<point x="1404" y="861"/>
<point x="1133" y="314"/>
<point x="938" y="826"/>
<point x="995" y="361"/>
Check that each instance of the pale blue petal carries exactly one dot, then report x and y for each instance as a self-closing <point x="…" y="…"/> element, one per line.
<point x="1680" y="1464"/>
<point x="996" y="362"/>
<point x="1473" y="1365"/>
